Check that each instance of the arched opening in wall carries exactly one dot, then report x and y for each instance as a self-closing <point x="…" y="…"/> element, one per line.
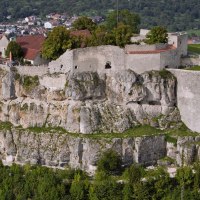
<point x="61" y="66"/>
<point x="108" y="65"/>
<point x="76" y="67"/>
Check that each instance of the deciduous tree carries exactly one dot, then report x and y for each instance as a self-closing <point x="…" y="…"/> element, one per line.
<point x="84" y="23"/>
<point x="157" y="34"/>
<point x="126" y="17"/>
<point x="57" y="42"/>
<point x="122" y="35"/>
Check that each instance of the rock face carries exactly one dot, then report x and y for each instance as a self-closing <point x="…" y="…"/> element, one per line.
<point x="88" y="102"/>
<point x="62" y="150"/>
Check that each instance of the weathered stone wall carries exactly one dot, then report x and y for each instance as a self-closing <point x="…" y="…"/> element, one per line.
<point x="95" y="59"/>
<point x="27" y="70"/>
<point x="32" y="70"/>
<point x="142" y="62"/>
<point x="63" y="64"/>
<point x="170" y="59"/>
<point x="188" y="95"/>
<point x="183" y="44"/>
<point x="146" y="47"/>
<point x="179" y="40"/>
<point x="38" y="61"/>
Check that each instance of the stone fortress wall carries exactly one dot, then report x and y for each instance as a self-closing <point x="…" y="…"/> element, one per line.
<point x="117" y="59"/>
<point x="139" y="58"/>
<point x="188" y="95"/>
<point x="107" y="59"/>
<point x="28" y="70"/>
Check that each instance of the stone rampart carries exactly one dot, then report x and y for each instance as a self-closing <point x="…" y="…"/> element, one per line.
<point x="28" y="70"/>
<point x="108" y="58"/>
<point x="142" y="62"/>
<point x="63" y="64"/>
<point x="32" y="70"/>
<point x="169" y="59"/>
<point x="153" y="47"/>
<point x="188" y="97"/>
<point x="98" y="59"/>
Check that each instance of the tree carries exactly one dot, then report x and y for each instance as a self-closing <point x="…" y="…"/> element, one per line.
<point x="79" y="188"/>
<point x="157" y="34"/>
<point x="110" y="162"/>
<point x="122" y="35"/>
<point x="133" y="174"/>
<point x="100" y="36"/>
<point x="57" y="42"/>
<point x="125" y="17"/>
<point x="127" y="191"/>
<point x="84" y="23"/>
<point x="105" y="187"/>
<point x="140" y="191"/>
<point x="15" y="49"/>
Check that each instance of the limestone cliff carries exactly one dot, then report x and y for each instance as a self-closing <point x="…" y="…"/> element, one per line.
<point x="88" y="102"/>
<point x="57" y="149"/>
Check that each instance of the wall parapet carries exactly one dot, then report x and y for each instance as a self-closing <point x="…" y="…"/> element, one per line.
<point x="146" y="47"/>
<point x="28" y="70"/>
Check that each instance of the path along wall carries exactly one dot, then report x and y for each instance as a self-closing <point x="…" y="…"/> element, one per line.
<point x="188" y="97"/>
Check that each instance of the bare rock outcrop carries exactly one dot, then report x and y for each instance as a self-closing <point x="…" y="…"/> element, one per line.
<point x="88" y="102"/>
<point x="61" y="150"/>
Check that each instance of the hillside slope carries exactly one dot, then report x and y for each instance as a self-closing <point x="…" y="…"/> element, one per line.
<point x="176" y="15"/>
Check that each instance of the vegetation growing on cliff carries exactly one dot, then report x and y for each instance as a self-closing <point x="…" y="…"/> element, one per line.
<point x="29" y="82"/>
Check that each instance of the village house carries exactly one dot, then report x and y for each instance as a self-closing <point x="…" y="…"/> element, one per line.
<point x="32" y="46"/>
<point x="51" y="24"/>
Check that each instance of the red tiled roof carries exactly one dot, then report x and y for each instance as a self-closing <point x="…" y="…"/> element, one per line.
<point x="170" y="47"/>
<point x="83" y="33"/>
<point x="31" y="45"/>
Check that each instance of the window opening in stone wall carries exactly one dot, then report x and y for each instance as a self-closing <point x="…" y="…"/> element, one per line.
<point x="108" y="65"/>
<point x="166" y="66"/>
<point x="76" y="67"/>
<point x="61" y="66"/>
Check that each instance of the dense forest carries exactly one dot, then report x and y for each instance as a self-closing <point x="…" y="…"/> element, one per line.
<point x="175" y="15"/>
